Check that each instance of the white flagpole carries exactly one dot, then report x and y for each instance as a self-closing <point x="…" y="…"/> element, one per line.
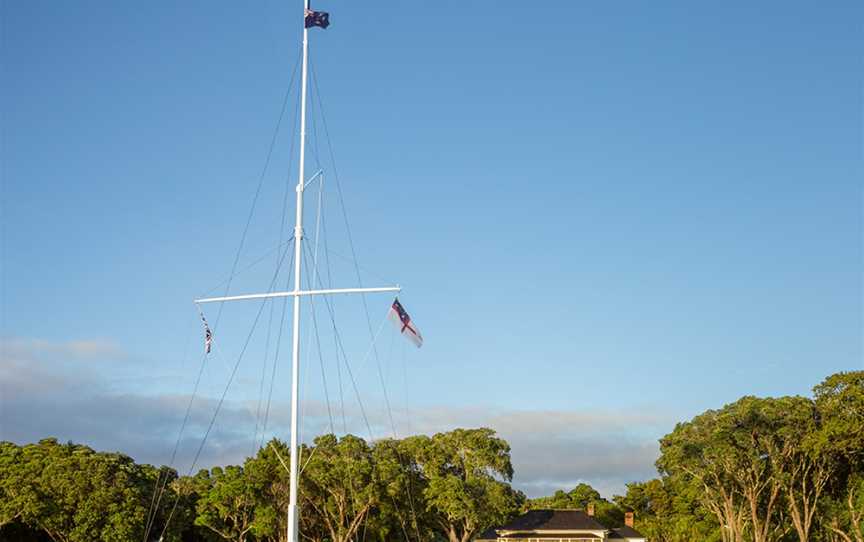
<point x="293" y="518"/>
<point x="297" y="294"/>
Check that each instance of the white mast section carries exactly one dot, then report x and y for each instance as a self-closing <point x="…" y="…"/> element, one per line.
<point x="293" y="519"/>
<point x="297" y="293"/>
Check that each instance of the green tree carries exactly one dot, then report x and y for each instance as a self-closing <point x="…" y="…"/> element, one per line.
<point x="580" y="497"/>
<point x="697" y="453"/>
<point x="797" y="465"/>
<point x="840" y="400"/>
<point x="465" y="475"/>
<point x="230" y="504"/>
<point x="339" y="487"/>
<point x="402" y="512"/>
<point x="168" y="499"/>
<point x="666" y="511"/>
<point x="846" y="514"/>
<point x="11" y="504"/>
<point x="268" y="472"/>
<point x="840" y="403"/>
<point x="73" y="493"/>
<point x="765" y="465"/>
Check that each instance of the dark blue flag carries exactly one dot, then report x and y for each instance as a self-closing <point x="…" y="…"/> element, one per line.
<point x="317" y="18"/>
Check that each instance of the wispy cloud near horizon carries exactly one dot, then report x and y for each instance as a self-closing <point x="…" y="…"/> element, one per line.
<point x="46" y="395"/>
<point x="85" y="350"/>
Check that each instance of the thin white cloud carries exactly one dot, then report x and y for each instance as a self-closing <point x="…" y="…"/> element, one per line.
<point x="75" y="350"/>
<point x="551" y="449"/>
<point x="557" y="449"/>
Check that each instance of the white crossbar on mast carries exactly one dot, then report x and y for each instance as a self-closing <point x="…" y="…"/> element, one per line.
<point x="301" y="293"/>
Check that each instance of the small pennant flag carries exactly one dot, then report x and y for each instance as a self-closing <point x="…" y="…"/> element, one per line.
<point x="406" y="327"/>
<point x="208" y="336"/>
<point x="317" y="18"/>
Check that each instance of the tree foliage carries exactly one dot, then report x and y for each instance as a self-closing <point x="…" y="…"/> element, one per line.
<point x="71" y="493"/>
<point x="780" y="469"/>
<point x="418" y="489"/>
<point x="582" y="497"/>
<point x="775" y="469"/>
<point x="669" y="511"/>
<point x="465" y="474"/>
<point x="340" y="486"/>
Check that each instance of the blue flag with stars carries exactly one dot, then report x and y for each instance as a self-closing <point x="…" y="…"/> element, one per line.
<point x="317" y="18"/>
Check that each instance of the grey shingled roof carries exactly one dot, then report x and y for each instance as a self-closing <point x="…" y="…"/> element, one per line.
<point x="568" y="520"/>
<point x="554" y="536"/>
<point x="626" y="532"/>
<point x="488" y="534"/>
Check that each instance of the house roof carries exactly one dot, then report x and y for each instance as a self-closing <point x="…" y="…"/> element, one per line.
<point x="549" y="520"/>
<point x="626" y="532"/>
<point x="488" y="534"/>
<point x="555" y="536"/>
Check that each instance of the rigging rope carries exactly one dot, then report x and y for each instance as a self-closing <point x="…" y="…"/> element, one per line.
<point x="311" y="285"/>
<point x="359" y="281"/>
<point x="351" y="245"/>
<point x="282" y="225"/>
<point x="154" y="502"/>
<point x="224" y="394"/>
<point x="341" y="348"/>
<point x="278" y="347"/>
<point x="319" y="225"/>
<point x="154" y="511"/>
<point x="335" y="342"/>
<point x="360" y="404"/>
<point x="263" y="377"/>
<point x="231" y="276"/>
<point x="245" y="268"/>
<point x="363" y="410"/>
<point x="258" y="188"/>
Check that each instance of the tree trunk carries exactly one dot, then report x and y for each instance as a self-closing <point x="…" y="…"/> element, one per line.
<point x="803" y="488"/>
<point x="730" y="515"/>
<point x="753" y="484"/>
<point x="856" y="523"/>
<point x="856" y="519"/>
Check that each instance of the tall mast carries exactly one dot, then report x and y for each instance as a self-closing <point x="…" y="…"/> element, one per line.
<point x="317" y="19"/>
<point x="298" y="254"/>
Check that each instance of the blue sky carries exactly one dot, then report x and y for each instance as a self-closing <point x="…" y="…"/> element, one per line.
<point x="607" y="217"/>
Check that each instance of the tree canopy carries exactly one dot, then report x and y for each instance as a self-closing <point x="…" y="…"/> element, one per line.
<point x="465" y="475"/>
<point x="781" y="469"/>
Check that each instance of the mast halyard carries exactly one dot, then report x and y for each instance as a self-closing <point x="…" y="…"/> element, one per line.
<point x="317" y="19"/>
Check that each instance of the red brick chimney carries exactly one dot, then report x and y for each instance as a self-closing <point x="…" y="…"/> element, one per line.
<point x="591" y="509"/>
<point x="628" y="519"/>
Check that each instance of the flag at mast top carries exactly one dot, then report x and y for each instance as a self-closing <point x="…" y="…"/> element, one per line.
<point x="317" y="18"/>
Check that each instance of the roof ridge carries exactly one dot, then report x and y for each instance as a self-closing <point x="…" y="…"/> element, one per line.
<point x="553" y="519"/>
<point x="558" y="509"/>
